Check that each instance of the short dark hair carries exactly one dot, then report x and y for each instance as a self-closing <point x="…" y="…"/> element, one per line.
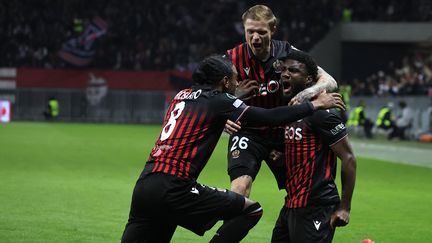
<point x="306" y="59"/>
<point x="212" y="70"/>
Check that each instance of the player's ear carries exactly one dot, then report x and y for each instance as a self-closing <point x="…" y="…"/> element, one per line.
<point x="309" y="81"/>
<point x="273" y="29"/>
<point x="225" y="82"/>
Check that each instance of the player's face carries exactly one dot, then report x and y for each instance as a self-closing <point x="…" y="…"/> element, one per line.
<point x="233" y="81"/>
<point x="294" y="77"/>
<point x="258" y="36"/>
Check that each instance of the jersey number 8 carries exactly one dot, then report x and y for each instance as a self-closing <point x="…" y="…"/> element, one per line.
<point x="170" y="125"/>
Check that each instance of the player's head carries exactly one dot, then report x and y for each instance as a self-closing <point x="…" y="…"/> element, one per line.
<point x="259" y="25"/>
<point x="216" y="71"/>
<point x="298" y="71"/>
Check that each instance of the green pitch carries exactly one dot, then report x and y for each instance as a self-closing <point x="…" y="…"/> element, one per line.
<point x="73" y="183"/>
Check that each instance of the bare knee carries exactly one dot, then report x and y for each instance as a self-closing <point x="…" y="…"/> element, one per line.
<point x="242" y="185"/>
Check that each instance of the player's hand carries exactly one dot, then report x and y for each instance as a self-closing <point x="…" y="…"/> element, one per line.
<point x="232" y="127"/>
<point x="328" y="100"/>
<point x="340" y="218"/>
<point x="247" y="89"/>
<point x="294" y="101"/>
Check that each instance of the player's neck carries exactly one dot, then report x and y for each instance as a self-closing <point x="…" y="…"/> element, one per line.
<point x="264" y="57"/>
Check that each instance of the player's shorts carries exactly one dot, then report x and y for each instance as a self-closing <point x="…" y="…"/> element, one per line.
<point x="246" y="152"/>
<point x="160" y="202"/>
<point x="308" y="225"/>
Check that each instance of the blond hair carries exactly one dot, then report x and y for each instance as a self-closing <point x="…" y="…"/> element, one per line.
<point x="260" y="13"/>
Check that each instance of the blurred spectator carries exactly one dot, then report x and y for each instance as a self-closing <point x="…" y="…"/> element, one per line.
<point x="403" y="122"/>
<point x="357" y="118"/>
<point x="412" y="77"/>
<point x="53" y="109"/>
<point x="385" y="119"/>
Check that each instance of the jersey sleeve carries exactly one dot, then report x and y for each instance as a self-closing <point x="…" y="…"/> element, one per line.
<point x="228" y="106"/>
<point x="329" y="125"/>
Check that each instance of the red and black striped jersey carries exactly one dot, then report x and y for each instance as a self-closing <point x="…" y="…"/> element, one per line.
<point x="191" y="129"/>
<point x="251" y="68"/>
<point x="311" y="164"/>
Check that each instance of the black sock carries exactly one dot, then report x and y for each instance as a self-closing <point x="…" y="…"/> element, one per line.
<point x="236" y="229"/>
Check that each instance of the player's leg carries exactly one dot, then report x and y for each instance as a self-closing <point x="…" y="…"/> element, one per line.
<point x="151" y="231"/>
<point x="200" y="209"/>
<point x="311" y="224"/>
<point x="244" y="161"/>
<point x="242" y="185"/>
<point x="280" y="230"/>
<point x="235" y="229"/>
<point x="148" y="220"/>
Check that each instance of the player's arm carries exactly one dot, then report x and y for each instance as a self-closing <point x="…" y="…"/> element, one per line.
<point x="286" y="114"/>
<point x="325" y="82"/>
<point x="344" y="152"/>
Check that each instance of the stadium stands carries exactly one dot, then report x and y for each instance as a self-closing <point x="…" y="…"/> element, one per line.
<point x="173" y="35"/>
<point x="410" y="76"/>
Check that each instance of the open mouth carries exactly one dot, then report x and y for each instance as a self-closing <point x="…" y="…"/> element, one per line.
<point x="257" y="46"/>
<point x="286" y="87"/>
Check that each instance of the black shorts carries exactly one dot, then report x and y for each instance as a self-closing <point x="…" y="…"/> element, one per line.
<point x="246" y="152"/>
<point x="310" y="224"/>
<point x="160" y="202"/>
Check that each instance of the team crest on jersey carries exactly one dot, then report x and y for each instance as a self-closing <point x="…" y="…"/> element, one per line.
<point x="277" y="65"/>
<point x="235" y="154"/>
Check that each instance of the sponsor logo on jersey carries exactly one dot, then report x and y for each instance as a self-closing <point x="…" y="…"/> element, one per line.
<point x="293" y="133"/>
<point x="337" y="129"/>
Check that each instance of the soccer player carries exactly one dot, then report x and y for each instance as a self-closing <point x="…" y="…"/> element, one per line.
<point x="312" y="207"/>
<point x="255" y="61"/>
<point x="167" y="194"/>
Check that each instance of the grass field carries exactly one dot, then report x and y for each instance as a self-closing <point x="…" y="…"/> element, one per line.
<point x="73" y="183"/>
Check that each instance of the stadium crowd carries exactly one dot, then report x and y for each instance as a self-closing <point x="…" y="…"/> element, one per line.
<point x="167" y="35"/>
<point x="410" y="76"/>
<point x="161" y="35"/>
<point x="145" y="35"/>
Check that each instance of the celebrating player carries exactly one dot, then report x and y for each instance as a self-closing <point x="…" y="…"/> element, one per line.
<point x="167" y="194"/>
<point x="312" y="145"/>
<point x="255" y="61"/>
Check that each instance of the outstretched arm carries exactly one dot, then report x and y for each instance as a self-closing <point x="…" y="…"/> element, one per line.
<point x="344" y="152"/>
<point x="286" y="114"/>
<point x="325" y="82"/>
